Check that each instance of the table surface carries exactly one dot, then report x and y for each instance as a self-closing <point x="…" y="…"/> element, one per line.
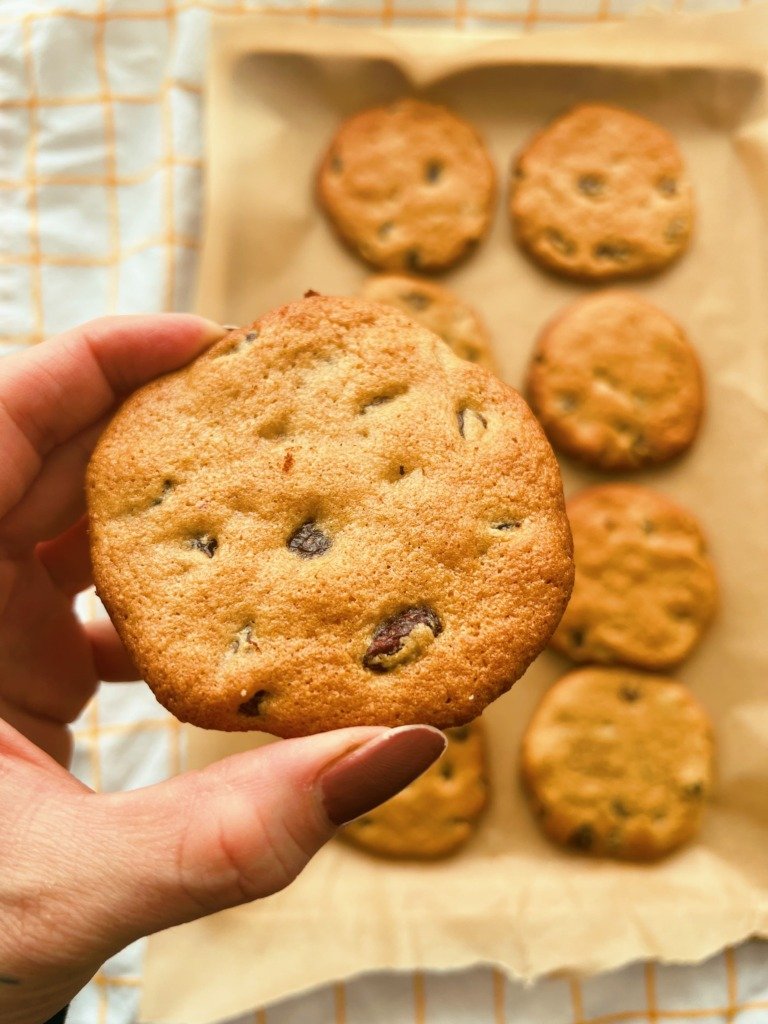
<point x="100" y="182"/>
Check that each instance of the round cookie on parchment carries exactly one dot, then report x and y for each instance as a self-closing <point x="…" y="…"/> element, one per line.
<point x="329" y="519"/>
<point x="409" y="186"/>
<point x="645" y="586"/>
<point x="438" y="309"/>
<point x="618" y="763"/>
<point x="615" y="382"/>
<point x="602" y="193"/>
<point x="438" y="813"/>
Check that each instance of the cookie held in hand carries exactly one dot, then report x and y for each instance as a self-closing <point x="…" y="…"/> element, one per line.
<point x="438" y="813"/>
<point x="409" y="186"/>
<point x="615" y="383"/>
<point x="645" y="587"/>
<point x="328" y="519"/>
<point x="618" y="763"/>
<point x="602" y="193"/>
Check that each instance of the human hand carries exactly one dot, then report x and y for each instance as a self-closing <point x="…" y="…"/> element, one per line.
<point x="84" y="874"/>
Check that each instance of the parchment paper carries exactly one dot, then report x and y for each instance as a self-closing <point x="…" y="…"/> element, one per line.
<point x="276" y="93"/>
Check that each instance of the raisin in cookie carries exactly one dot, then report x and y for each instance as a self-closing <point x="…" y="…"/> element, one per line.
<point x="409" y="186"/>
<point x="619" y="763"/>
<point x="616" y="383"/>
<point x="602" y="193"/>
<point x="329" y="519"/>
<point x="436" y="814"/>
<point x="438" y="309"/>
<point x="645" y="586"/>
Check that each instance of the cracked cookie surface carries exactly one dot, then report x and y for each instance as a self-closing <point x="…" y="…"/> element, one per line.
<point x="336" y="522"/>
<point x="645" y="587"/>
<point x="602" y="193"/>
<point x="618" y="763"/>
<point x="615" y="382"/>
<point x="439" y="812"/>
<point x="409" y="186"/>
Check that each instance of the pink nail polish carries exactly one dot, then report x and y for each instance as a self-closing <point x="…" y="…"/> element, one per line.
<point x="377" y="770"/>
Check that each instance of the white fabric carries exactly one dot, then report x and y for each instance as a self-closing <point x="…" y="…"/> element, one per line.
<point x="99" y="207"/>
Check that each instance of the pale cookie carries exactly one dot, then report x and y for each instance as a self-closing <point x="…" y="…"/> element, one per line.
<point x="327" y="520"/>
<point x="619" y="763"/>
<point x="616" y="383"/>
<point x="602" y="193"/>
<point x="438" y="309"/>
<point x="645" y="586"/>
<point x="409" y="186"/>
<point x="436" y="814"/>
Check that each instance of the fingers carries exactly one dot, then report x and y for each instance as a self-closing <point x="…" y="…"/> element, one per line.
<point x="40" y="742"/>
<point x="82" y="875"/>
<point x="57" y="389"/>
<point x="112" y="662"/>
<point x="67" y="558"/>
<point x="47" y="663"/>
<point x="240" y="829"/>
<point x="56" y="498"/>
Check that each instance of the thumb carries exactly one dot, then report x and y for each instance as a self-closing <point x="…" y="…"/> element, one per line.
<point x="239" y="829"/>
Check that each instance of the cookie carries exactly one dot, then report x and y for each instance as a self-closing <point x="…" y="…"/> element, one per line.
<point x="438" y="309"/>
<point x="645" y="586"/>
<point x="409" y="186"/>
<point x="615" y="383"/>
<point x="618" y="763"/>
<point x="436" y="814"/>
<point x="602" y="193"/>
<point x="329" y="519"/>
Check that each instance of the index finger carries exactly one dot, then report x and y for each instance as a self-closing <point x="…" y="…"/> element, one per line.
<point x="56" y="389"/>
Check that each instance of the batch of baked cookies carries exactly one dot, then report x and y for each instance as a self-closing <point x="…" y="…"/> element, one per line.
<point x="405" y="512"/>
<point x="617" y="762"/>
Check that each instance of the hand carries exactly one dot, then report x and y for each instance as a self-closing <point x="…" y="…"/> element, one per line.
<point x="83" y="874"/>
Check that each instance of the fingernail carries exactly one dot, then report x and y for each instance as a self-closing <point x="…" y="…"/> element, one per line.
<point x="377" y="770"/>
<point x="213" y="331"/>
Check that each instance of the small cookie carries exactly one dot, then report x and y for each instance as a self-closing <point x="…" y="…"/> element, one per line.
<point x="602" y="193"/>
<point x="645" y="586"/>
<point x="329" y="519"/>
<point x="438" y="309"/>
<point x="437" y="813"/>
<point x="409" y="186"/>
<point x="616" y="383"/>
<point x="619" y="763"/>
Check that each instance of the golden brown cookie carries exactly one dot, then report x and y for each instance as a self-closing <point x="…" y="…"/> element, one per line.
<point x="619" y="763"/>
<point x="436" y="814"/>
<point x="645" y="586"/>
<point x="602" y="193"/>
<point x="329" y="519"/>
<point x="616" y="383"/>
<point x="409" y="186"/>
<point x="438" y="309"/>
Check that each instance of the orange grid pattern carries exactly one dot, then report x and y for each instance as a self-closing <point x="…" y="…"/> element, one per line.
<point x="92" y="730"/>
